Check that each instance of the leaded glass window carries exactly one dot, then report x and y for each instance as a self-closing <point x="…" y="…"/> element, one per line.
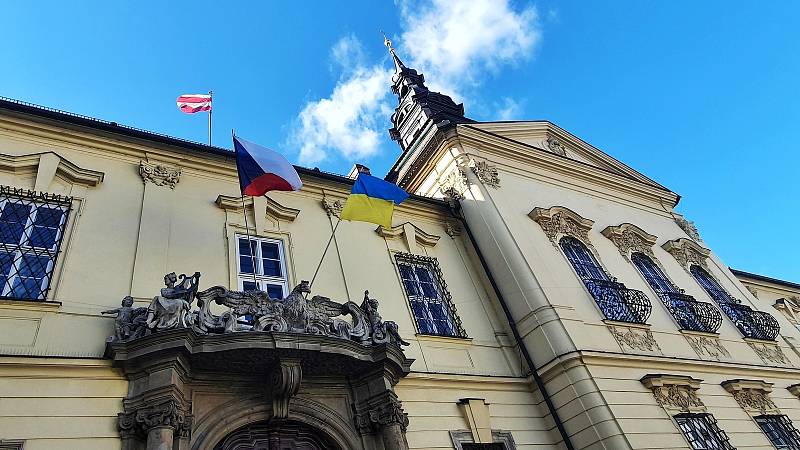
<point x="702" y="432"/>
<point x="261" y="266"/>
<point x="582" y="259"/>
<point x="780" y="431"/>
<point x="427" y="293"/>
<point x="31" y="230"/>
<point x="652" y="273"/>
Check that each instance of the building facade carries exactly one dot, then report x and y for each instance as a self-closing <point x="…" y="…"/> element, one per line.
<point x="533" y="293"/>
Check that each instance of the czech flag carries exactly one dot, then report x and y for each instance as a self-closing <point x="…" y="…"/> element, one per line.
<point x="372" y="200"/>
<point x="262" y="170"/>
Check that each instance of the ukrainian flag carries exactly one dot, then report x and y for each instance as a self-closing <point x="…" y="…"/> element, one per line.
<point x="372" y="200"/>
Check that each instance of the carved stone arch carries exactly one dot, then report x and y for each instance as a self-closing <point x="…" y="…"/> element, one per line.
<point x="241" y="412"/>
<point x="631" y="239"/>
<point x="688" y="253"/>
<point x="559" y="221"/>
<point x="280" y="434"/>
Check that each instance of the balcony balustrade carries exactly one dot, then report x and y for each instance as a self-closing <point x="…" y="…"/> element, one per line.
<point x="618" y="302"/>
<point x="691" y="314"/>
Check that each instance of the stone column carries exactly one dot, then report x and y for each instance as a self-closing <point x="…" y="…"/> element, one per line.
<point x="160" y="438"/>
<point x="383" y="415"/>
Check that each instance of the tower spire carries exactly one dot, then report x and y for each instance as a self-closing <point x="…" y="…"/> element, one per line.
<point x="398" y="65"/>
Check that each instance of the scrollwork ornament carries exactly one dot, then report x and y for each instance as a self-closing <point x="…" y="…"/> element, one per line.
<point x="689" y="228"/>
<point x="677" y="397"/>
<point x="708" y="347"/>
<point x="559" y="221"/>
<point x="332" y="208"/>
<point x="769" y="353"/>
<point x="755" y="400"/>
<point x="555" y="146"/>
<point x="634" y="339"/>
<point x="487" y="173"/>
<point x="159" y="174"/>
<point x="454" y="185"/>
<point x="630" y="239"/>
<point x="378" y="417"/>
<point x="166" y="414"/>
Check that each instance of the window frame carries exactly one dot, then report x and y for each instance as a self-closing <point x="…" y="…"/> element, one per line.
<point x="789" y="430"/>
<point x="36" y="203"/>
<point x="431" y="264"/>
<point x="709" y="424"/>
<point x="260" y="279"/>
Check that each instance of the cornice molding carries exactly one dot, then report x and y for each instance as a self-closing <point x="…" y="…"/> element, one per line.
<point x="397" y="232"/>
<point x="752" y="396"/>
<point x="687" y="252"/>
<point x="560" y="221"/>
<point x="65" y="168"/>
<point x="676" y="393"/>
<point x="630" y="239"/>
<point x="273" y="209"/>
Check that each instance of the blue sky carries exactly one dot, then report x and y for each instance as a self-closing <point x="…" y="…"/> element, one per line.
<point x="701" y="96"/>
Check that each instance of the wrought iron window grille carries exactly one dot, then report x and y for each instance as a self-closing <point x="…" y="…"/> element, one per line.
<point x="32" y="227"/>
<point x="751" y="323"/>
<point x="702" y="432"/>
<point x="614" y="299"/>
<point x="780" y="431"/>
<point x="431" y="302"/>
<point x="689" y="313"/>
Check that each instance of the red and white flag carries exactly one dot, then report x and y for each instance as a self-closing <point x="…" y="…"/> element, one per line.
<point x="194" y="103"/>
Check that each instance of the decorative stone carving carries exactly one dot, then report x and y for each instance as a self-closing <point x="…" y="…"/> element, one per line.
<point x="285" y="384"/>
<point x="487" y="173"/>
<point x="707" y="347"/>
<point x="159" y="175"/>
<point x="753" y="291"/>
<point x="675" y="392"/>
<point x="560" y="221"/>
<point x="387" y="411"/>
<point x="769" y="353"/>
<point x="752" y="396"/>
<point x="687" y="252"/>
<point x="332" y="207"/>
<point x="140" y="421"/>
<point x="454" y="185"/>
<point x="630" y="239"/>
<point x="555" y="146"/>
<point x="689" y="228"/>
<point x="293" y="314"/>
<point x="632" y="339"/>
<point x="452" y="229"/>
<point x="794" y="389"/>
<point x="790" y="307"/>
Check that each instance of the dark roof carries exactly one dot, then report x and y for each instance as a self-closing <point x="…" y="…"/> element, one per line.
<point x="19" y="106"/>
<point x="741" y="273"/>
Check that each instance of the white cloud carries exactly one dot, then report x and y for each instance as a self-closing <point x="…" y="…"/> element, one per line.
<point x="509" y="109"/>
<point x="347" y="121"/>
<point x="454" y="43"/>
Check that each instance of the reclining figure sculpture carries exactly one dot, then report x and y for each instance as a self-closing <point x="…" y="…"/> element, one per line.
<point x="253" y="311"/>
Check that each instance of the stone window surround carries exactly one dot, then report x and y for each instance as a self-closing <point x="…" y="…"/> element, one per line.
<point x="752" y="396"/>
<point x="675" y="393"/>
<point x="11" y="444"/>
<point x="261" y="279"/>
<point x="461" y="437"/>
<point x="438" y="274"/>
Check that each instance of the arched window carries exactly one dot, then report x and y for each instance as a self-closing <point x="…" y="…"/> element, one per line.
<point x="615" y="300"/>
<point x="582" y="259"/>
<point x="751" y="323"/>
<point x="652" y="273"/>
<point x="715" y="291"/>
<point x="689" y="313"/>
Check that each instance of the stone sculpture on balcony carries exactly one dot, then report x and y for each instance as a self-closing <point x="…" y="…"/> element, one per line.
<point x="253" y="311"/>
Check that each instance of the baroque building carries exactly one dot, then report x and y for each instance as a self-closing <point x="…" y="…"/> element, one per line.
<point x="533" y="293"/>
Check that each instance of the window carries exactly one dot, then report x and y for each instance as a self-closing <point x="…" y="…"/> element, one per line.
<point x="751" y="323"/>
<point x="261" y="266"/>
<point x="31" y="229"/>
<point x="780" y="431"/>
<point x="689" y="313"/>
<point x="616" y="301"/>
<point x="702" y="432"/>
<point x="652" y="274"/>
<point x="427" y="292"/>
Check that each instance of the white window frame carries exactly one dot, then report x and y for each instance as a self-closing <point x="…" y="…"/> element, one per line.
<point x="17" y="256"/>
<point x="261" y="279"/>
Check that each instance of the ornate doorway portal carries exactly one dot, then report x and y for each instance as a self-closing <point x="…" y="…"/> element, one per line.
<point x="277" y="436"/>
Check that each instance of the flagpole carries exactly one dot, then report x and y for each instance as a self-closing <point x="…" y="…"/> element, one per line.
<point x="244" y="213"/>
<point x="333" y="233"/>
<point x="211" y="102"/>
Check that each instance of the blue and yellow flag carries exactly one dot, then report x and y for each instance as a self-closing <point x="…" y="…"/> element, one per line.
<point x="372" y="200"/>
